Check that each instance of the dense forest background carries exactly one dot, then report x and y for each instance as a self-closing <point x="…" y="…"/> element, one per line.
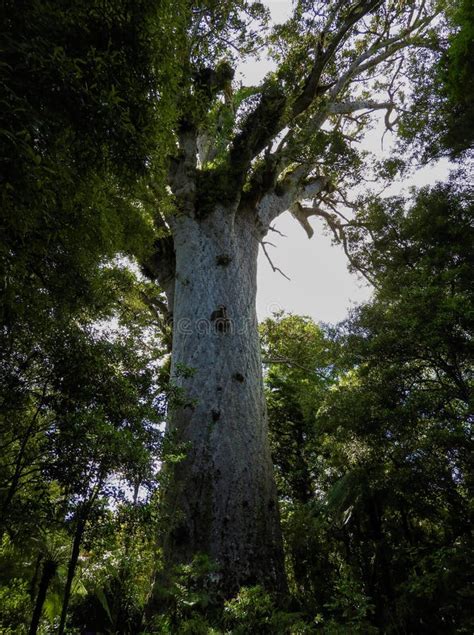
<point x="370" y="420"/>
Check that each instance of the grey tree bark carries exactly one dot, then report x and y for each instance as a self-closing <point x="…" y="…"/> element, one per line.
<point x="221" y="498"/>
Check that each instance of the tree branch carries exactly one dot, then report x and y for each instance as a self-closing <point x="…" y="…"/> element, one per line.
<point x="275" y="269"/>
<point x="293" y="187"/>
<point x="345" y="108"/>
<point x="182" y="172"/>
<point x="310" y="90"/>
<point x="337" y="229"/>
<point x="272" y="114"/>
<point x="324" y="100"/>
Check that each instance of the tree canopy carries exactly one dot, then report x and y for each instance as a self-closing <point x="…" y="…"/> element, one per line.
<point x="372" y="437"/>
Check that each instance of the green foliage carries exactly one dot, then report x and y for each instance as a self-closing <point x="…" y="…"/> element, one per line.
<point x="251" y="609"/>
<point x="80" y="125"/>
<point x="350" y="605"/>
<point x="88" y="104"/>
<point x="297" y="356"/>
<point x="254" y="610"/>
<point x="381" y="516"/>
<point x="118" y="565"/>
<point x="369" y="424"/>
<point x="89" y="435"/>
<point x="457" y="77"/>
<point x="183" y="601"/>
<point x="440" y="119"/>
<point x="15" y="606"/>
<point x="15" y="593"/>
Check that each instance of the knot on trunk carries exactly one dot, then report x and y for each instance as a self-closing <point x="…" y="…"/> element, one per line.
<point x="220" y="319"/>
<point x="223" y="260"/>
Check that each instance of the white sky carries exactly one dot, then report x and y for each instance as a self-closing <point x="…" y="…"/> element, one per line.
<point x="320" y="285"/>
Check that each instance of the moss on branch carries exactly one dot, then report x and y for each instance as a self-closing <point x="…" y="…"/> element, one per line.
<point x="261" y="126"/>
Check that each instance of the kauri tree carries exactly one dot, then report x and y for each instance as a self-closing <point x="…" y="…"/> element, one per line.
<point x="243" y="157"/>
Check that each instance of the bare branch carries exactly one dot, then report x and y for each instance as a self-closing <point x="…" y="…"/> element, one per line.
<point x="345" y="108"/>
<point x="339" y="235"/>
<point x="369" y="58"/>
<point x="275" y="269"/>
<point x="277" y="231"/>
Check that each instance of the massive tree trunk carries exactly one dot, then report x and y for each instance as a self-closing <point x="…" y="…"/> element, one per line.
<point x="241" y="159"/>
<point x="221" y="497"/>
